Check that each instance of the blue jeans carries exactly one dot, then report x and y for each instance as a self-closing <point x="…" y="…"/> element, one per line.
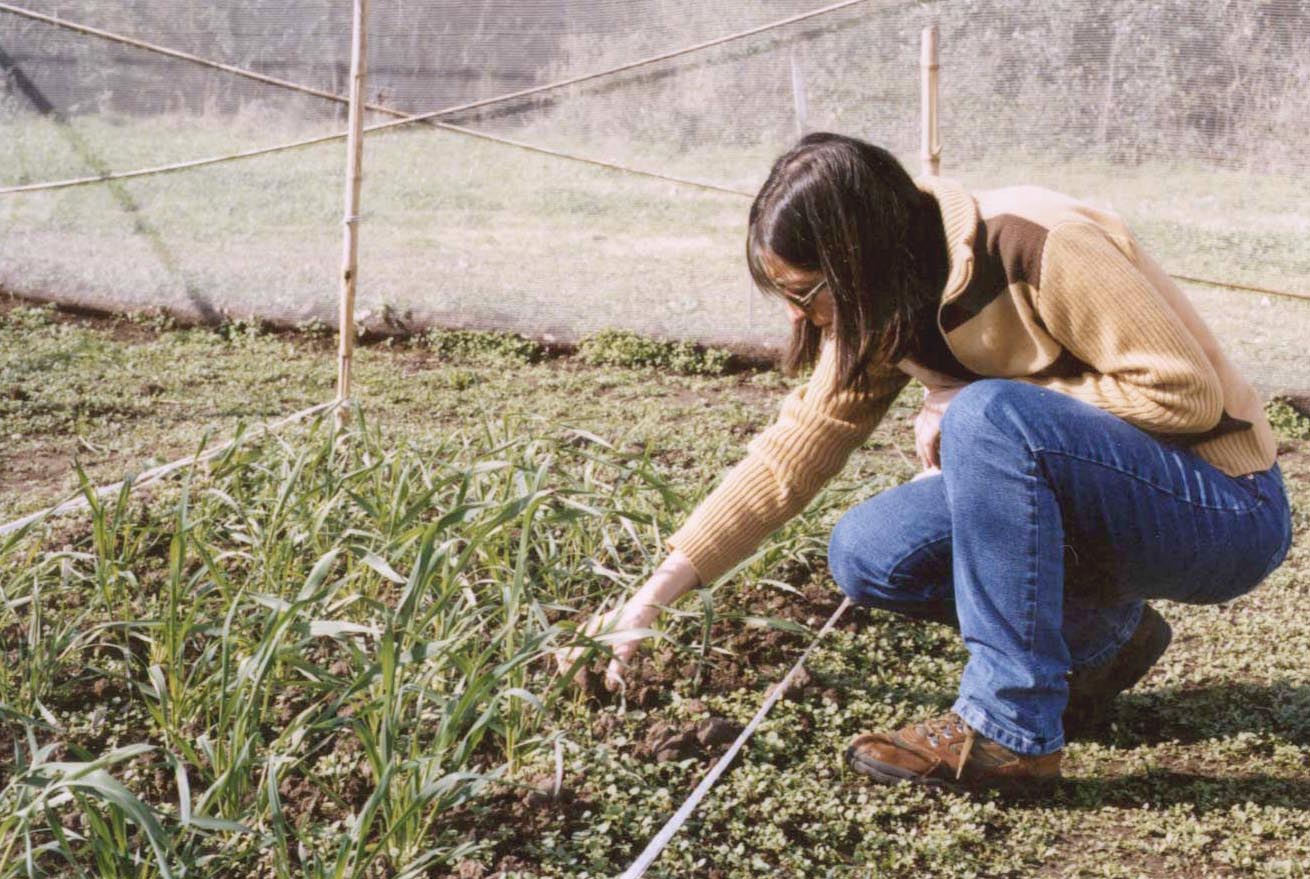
<point x="1051" y="523"/>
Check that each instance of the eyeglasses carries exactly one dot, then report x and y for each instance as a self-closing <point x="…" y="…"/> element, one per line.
<point x="806" y="299"/>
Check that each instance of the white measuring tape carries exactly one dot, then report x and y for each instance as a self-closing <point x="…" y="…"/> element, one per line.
<point x="661" y="839"/>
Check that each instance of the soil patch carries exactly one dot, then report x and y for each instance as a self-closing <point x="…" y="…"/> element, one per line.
<point x="114" y="326"/>
<point x="36" y="473"/>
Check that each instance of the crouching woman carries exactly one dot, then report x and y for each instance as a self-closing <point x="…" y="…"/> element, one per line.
<point x="1097" y="449"/>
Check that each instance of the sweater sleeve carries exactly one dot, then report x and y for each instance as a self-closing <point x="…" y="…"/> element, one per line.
<point x="786" y="464"/>
<point x="1145" y="366"/>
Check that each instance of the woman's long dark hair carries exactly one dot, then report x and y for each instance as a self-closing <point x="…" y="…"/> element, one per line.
<point x="848" y="209"/>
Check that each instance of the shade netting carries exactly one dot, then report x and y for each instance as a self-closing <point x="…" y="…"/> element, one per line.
<point x="1188" y="119"/>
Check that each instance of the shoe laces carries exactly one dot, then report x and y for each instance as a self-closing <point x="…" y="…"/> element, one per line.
<point x="947" y="727"/>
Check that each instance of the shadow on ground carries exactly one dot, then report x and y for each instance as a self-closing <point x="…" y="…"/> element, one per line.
<point x="1210" y="710"/>
<point x="1165" y="788"/>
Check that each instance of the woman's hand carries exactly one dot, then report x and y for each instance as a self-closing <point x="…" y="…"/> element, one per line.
<point x="628" y="617"/>
<point x="928" y="425"/>
<point x="675" y="577"/>
<point x="928" y="437"/>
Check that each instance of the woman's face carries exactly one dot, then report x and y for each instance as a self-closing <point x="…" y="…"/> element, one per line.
<point x="797" y="283"/>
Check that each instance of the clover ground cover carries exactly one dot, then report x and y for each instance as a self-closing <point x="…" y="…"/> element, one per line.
<point x="318" y="662"/>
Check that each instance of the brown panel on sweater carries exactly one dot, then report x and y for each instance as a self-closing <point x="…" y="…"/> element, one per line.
<point x="1006" y="250"/>
<point x="987" y="283"/>
<point x="1018" y="244"/>
<point x="931" y="350"/>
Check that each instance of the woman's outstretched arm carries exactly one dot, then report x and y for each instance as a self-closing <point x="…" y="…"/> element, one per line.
<point x="816" y="430"/>
<point x="674" y="578"/>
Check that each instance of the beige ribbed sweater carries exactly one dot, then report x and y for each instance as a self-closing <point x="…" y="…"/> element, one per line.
<point x="1041" y="288"/>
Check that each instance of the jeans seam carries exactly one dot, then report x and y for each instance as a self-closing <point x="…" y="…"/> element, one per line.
<point x="1030" y="636"/>
<point x="1139" y="478"/>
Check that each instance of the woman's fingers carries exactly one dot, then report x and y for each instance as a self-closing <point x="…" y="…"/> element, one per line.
<point x="928" y="423"/>
<point x="624" y="651"/>
<point x="927" y="435"/>
<point x="618" y="666"/>
<point x="614" y="680"/>
<point x="921" y="448"/>
<point x="623" y="648"/>
<point x="566" y="656"/>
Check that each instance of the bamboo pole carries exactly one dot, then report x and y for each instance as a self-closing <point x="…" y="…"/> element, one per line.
<point x="350" y="243"/>
<point x="799" y="96"/>
<point x="930" y="154"/>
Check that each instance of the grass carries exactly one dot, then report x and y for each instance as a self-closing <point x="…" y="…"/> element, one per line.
<point x="321" y="661"/>
<point x="628" y="349"/>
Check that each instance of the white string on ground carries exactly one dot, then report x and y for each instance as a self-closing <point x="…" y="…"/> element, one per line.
<point x="404" y="118"/>
<point x="665" y="834"/>
<point x="79" y="500"/>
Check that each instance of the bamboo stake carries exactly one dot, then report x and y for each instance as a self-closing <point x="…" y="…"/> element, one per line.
<point x="799" y="96"/>
<point x="930" y="154"/>
<point x="350" y="243"/>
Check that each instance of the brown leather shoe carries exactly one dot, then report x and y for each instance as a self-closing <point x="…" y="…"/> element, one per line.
<point x="1091" y="690"/>
<point x="944" y="751"/>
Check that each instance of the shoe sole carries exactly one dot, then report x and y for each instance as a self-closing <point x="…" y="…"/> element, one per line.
<point x="887" y="773"/>
<point x="1155" y="648"/>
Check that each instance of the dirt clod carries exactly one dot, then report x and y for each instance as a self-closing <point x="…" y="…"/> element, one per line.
<point x="646" y="697"/>
<point x="470" y="870"/>
<point x="543" y="794"/>
<point x="677" y="747"/>
<point x="715" y="731"/>
<point x="667" y="742"/>
<point x="604" y="725"/>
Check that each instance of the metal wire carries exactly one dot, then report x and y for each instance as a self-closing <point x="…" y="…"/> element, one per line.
<point x="472" y="105"/>
<point x="402" y="117"/>
<point x="1269" y="291"/>
<point x="164" y="50"/>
